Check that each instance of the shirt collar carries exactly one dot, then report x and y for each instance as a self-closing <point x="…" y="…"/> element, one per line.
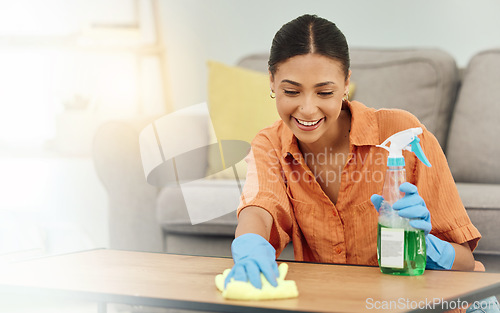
<point x="364" y="125"/>
<point x="364" y="130"/>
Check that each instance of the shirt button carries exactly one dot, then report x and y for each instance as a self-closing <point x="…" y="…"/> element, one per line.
<point x="338" y="250"/>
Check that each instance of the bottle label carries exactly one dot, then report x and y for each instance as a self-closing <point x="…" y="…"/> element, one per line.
<point x="392" y="247"/>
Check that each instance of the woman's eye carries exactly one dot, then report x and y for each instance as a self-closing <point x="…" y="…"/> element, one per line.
<point x="325" y="93"/>
<point x="291" y="92"/>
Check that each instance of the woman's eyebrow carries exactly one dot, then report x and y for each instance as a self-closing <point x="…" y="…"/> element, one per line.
<point x="299" y="84"/>
<point x="324" y="84"/>
<point x="291" y="82"/>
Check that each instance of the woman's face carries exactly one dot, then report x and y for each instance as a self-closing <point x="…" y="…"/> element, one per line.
<point x="309" y="90"/>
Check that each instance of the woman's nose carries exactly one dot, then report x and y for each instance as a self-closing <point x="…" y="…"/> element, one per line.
<point x="308" y="108"/>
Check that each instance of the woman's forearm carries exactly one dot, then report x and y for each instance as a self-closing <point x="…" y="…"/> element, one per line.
<point x="464" y="260"/>
<point x="254" y="220"/>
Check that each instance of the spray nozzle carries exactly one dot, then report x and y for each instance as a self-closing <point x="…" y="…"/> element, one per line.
<point x="404" y="140"/>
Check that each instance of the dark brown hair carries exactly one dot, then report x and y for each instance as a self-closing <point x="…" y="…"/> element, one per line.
<point x="309" y="34"/>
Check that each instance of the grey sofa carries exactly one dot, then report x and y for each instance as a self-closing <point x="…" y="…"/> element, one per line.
<point x="460" y="106"/>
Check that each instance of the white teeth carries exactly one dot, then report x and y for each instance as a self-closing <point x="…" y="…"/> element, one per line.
<point x="308" y="123"/>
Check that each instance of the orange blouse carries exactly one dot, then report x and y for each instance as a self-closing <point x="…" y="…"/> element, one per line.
<point x="279" y="181"/>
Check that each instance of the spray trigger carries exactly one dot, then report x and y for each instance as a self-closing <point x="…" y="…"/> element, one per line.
<point x="417" y="149"/>
<point x="404" y="140"/>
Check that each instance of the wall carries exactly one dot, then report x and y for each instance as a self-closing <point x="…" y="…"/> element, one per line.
<point x="225" y="30"/>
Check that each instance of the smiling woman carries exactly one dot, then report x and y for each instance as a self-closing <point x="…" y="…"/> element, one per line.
<point x="324" y="208"/>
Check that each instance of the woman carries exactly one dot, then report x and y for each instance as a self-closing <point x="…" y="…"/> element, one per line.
<point x="313" y="177"/>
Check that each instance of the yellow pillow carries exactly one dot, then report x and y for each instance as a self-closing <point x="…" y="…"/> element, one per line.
<point x="352" y="89"/>
<point x="239" y="106"/>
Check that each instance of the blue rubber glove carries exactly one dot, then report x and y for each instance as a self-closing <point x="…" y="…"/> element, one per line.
<point x="412" y="206"/>
<point x="252" y="255"/>
<point x="440" y="254"/>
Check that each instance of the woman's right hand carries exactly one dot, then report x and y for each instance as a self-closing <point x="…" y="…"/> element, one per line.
<point x="253" y="255"/>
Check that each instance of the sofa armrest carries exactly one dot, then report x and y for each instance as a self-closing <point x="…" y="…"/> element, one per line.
<point x="132" y="216"/>
<point x="132" y="201"/>
<point x="174" y="147"/>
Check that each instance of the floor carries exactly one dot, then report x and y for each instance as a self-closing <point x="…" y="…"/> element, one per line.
<point x="17" y="305"/>
<point x="47" y="306"/>
<point x="13" y="305"/>
<point x="20" y="305"/>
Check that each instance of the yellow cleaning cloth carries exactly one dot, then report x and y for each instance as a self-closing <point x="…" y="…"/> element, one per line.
<point x="239" y="290"/>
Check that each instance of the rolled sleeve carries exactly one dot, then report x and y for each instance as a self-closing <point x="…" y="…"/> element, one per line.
<point x="450" y="221"/>
<point x="265" y="188"/>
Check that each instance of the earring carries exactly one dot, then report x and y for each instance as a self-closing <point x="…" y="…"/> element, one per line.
<point x="346" y="96"/>
<point x="272" y="94"/>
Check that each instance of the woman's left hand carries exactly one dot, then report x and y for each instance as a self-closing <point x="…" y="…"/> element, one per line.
<point x="412" y="206"/>
<point x="440" y="254"/>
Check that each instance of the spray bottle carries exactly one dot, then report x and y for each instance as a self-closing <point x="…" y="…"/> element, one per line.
<point x="400" y="248"/>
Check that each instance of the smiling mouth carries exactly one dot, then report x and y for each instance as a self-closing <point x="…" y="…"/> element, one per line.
<point x="306" y="123"/>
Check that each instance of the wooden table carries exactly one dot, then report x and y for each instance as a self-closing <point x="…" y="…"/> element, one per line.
<point x="182" y="281"/>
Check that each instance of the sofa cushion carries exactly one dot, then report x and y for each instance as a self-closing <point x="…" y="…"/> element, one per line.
<point x="482" y="202"/>
<point x="473" y="146"/>
<point x="421" y="81"/>
<point x="173" y="214"/>
<point x="202" y="244"/>
<point x="480" y="196"/>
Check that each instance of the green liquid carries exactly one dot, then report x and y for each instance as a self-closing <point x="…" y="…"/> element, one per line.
<point x="414" y="254"/>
